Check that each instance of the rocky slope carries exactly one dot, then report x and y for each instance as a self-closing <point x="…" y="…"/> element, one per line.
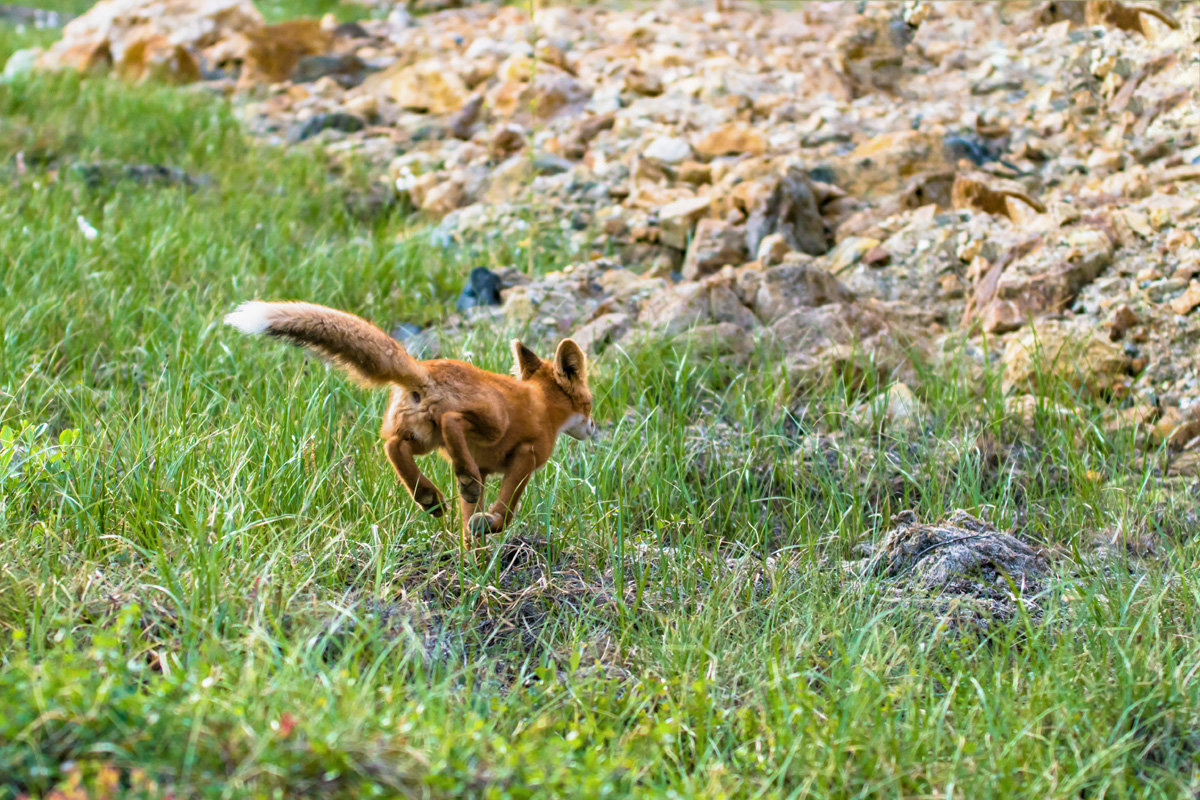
<point x="857" y="185"/>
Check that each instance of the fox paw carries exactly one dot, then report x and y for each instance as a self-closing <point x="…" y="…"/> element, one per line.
<point x="471" y="488"/>
<point x="479" y="524"/>
<point x="431" y="501"/>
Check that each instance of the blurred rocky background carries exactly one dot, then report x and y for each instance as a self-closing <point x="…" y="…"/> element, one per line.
<point x="864" y="186"/>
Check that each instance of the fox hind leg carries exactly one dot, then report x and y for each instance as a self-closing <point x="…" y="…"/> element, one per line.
<point x="400" y="454"/>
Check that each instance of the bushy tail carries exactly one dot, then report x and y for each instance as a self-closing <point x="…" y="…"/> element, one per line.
<point x="1168" y="20"/>
<point x="363" y="350"/>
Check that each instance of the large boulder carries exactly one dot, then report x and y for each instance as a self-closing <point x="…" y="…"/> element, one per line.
<point x="716" y="244"/>
<point x="1079" y="356"/>
<point x="677" y="308"/>
<point x="780" y="290"/>
<point x="169" y="33"/>
<point x="1048" y="279"/>
<point x="428" y="86"/>
<point x="790" y="210"/>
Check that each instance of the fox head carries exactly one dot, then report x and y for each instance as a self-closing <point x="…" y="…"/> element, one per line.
<point x="566" y="379"/>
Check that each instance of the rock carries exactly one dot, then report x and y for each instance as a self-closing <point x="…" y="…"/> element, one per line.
<point x="731" y="140"/>
<point x="1024" y="409"/>
<point x="428" y="86"/>
<point x="837" y="323"/>
<point x="644" y="83"/>
<point x="1076" y="355"/>
<point x="1177" y="428"/>
<point x="789" y="209"/>
<point x="510" y="180"/>
<point x="544" y="163"/>
<point x="597" y="334"/>
<point x="849" y="252"/>
<point x="885" y="163"/>
<point x="960" y="572"/>
<point x="785" y="288"/>
<point x="715" y="340"/>
<point x="877" y="257"/>
<point x="443" y="197"/>
<point x="695" y="173"/>
<point x="365" y="106"/>
<point x="685" y="305"/>
<point x="1047" y="279"/>
<point x="676" y="220"/>
<point x="462" y="122"/>
<point x="21" y="62"/>
<point x="669" y="150"/>
<point x="1188" y="301"/>
<point x="106" y="175"/>
<point x="725" y="306"/>
<point x="420" y="343"/>
<point x="348" y="68"/>
<point x="1122" y="320"/>
<point x="611" y="101"/>
<point x="550" y="303"/>
<point x="346" y="123"/>
<point x="619" y="280"/>
<point x="546" y="95"/>
<point x="868" y="55"/>
<point x="575" y="145"/>
<point x="33" y="17"/>
<point x="715" y="244"/>
<point x="273" y="51"/>
<point x="155" y="58"/>
<point x="482" y="289"/>
<point x="772" y="249"/>
<point x="102" y="36"/>
<point x="1136" y="418"/>
<point x="810" y="328"/>
<point x="506" y="140"/>
<point x="896" y="409"/>
<point x="860" y="343"/>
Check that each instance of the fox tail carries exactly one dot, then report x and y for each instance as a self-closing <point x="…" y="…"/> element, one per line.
<point x="368" y="354"/>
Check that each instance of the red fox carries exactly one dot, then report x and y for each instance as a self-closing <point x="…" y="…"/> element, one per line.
<point x="482" y="422"/>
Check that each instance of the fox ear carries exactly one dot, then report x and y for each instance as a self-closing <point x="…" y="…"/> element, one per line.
<point x="569" y="362"/>
<point x="525" y="361"/>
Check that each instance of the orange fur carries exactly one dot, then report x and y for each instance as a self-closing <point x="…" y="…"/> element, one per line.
<point x="482" y="422"/>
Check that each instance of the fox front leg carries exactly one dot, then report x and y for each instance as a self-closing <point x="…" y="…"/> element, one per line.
<point x="469" y="512"/>
<point x="520" y="469"/>
<point x="454" y="435"/>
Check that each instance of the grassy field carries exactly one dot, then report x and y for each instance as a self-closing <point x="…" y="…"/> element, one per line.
<point x="211" y="584"/>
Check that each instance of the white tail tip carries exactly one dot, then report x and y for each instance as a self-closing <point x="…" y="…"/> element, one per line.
<point x="249" y="317"/>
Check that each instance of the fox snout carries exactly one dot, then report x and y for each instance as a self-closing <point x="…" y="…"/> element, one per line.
<point x="580" y="427"/>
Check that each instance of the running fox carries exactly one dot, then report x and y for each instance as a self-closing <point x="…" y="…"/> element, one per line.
<point x="482" y="422"/>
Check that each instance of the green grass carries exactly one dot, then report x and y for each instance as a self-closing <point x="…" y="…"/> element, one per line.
<point x="211" y="583"/>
